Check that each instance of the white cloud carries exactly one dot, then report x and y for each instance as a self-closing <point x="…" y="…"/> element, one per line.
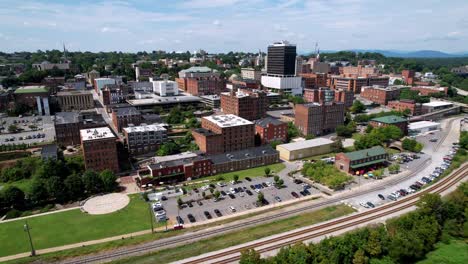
<point x="208" y="3"/>
<point x="217" y="23"/>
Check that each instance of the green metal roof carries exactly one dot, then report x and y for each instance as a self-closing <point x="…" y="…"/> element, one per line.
<point x="31" y="89"/>
<point x="367" y="163"/>
<point x="392" y="119"/>
<point x="370" y="152"/>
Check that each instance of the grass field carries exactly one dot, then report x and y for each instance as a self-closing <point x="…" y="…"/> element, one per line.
<point x="79" y="251"/>
<point x="242" y="236"/>
<point x="254" y="172"/>
<point x="456" y="252"/>
<point x="72" y="227"/>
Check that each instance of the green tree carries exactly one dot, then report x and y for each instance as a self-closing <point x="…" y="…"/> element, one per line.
<point x="292" y="131"/>
<point x="92" y="182"/>
<point x="276" y="178"/>
<point x="56" y="189"/>
<point x="179" y="202"/>
<point x="74" y="186"/>
<point x="216" y="194"/>
<point x="250" y="256"/>
<point x="260" y="197"/>
<point x="13" y="197"/>
<point x="235" y="177"/>
<point x="109" y="180"/>
<point x="357" y="107"/>
<point x="267" y="171"/>
<point x="38" y="192"/>
<point x="168" y="148"/>
<point x="360" y="257"/>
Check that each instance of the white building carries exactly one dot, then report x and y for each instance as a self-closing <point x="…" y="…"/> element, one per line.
<point x="165" y="87"/>
<point x="286" y="84"/>
<point x="422" y="127"/>
<point x="435" y="106"/>
<point x="251" y="74"/>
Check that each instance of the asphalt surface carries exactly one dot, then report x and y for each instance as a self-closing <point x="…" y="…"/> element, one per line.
<point x="44" y="124"/>
<point x="241" y="202"/>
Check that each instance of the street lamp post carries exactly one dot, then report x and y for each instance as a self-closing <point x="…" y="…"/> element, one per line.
<point x="26" y="229"/>
<point x="151" y="217"/>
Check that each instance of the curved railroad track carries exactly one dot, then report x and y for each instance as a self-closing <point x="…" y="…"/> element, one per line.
<point x="339" y="224"/>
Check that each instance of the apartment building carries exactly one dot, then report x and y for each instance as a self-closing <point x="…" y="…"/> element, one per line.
<point x="247" y="104"/>
<point x="124" y="116"/>
<point x="75" y="100"/>
<point x="99" y="149"/>
<point x="223" y="133"/>
<point x="144" y="138"/>
<point x="319" y="119"/>
<point x="380" y="94"/>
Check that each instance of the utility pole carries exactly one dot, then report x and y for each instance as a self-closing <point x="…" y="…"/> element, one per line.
<point x="26" y="229"/>
<point x="151" y="218"/>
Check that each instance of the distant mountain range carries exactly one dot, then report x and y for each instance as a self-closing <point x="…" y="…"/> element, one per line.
<point x="408" y="54"/>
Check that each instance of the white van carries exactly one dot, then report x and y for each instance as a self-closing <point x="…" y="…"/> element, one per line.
<point x="232" y="209"/>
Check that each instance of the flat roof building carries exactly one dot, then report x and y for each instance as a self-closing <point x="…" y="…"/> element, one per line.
<point x="319" y="119"/>
<point x="304" y="149"/>
<point x="75" y="100"/>
<point x="144" y="138"/>
<point x="422" y="127"/>
<point x="99" y="149"/>
<point x="358" y="162"/>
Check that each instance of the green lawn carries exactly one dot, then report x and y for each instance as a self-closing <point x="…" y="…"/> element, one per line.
<point x="254" y="172"/>
<point x="73" y="227"/>
<point x="242" y="236"/>
<point x="456" y="252"/>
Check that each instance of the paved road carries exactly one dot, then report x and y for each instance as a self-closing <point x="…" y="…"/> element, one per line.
<point x="461" y="92"/>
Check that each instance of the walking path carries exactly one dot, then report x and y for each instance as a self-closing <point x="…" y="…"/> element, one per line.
<point x="41" y="214"/>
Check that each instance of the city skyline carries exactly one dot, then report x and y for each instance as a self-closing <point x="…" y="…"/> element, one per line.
<point x="232" y="25"/>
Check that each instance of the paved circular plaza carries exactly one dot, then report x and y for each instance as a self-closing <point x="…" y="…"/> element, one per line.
<point x="107" y="203"/>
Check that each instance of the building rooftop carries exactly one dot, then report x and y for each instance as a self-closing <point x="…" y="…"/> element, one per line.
<point x="204" y="132"/>
<point x="88" y="116"/>
<point x="370" y="152"/>
<point x="197" y="69"/>
<point x="306" y="144"/>
<point x="211" y="97"/>
<point x="268" y="120"/>
<point x="392" y="119"/>
<point x="145" y="128"/>
<point x="74" y="92"/>
<point x="161" y="100"/>
<point x="96" y="133"/>
<point x="228" y="120"/>
<point x="31" y="89"/>
<point x="242" y="154"/>
<point x="125" y="111"/>
<point x="422" y="124"/>
<point x="437" y="104"/>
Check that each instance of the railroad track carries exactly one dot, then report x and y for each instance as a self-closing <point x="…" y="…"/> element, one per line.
<point x="334" y="226"/>
<point x="205" y="234"/>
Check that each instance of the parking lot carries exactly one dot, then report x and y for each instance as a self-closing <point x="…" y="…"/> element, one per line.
<point x="241" y="201"/>
<point x="31" y="129"/>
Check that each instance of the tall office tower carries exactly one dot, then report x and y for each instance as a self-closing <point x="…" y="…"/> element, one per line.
<point x="281" y="69"/>
<point x="281" y="58"/>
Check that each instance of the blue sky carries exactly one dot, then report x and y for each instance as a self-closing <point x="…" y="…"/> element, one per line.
<point x="239" y="25"/>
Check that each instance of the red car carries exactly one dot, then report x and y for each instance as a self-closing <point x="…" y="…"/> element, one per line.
<point x="295" y="194"/>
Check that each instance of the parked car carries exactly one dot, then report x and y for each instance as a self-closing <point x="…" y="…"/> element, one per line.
<point x="248" y="179"/>
<point x="278" y="199"/>
<point x="208" y="215"/>
<point x="223" y="193"/>
<point x="179" y="220"/>
<point x="232" y="208"/>
<point x="264" y="184"/>
<point x="381" y="196"/>
<point x="371" y="205"/>
<point x="297" y="181"/>
<point x="199" y="203"/>
<point x="391" y="197"/>
<point x="295" y="195"/>
<point x="189" y="204"/>
<point x="191" y="218"/>
<point x="232" y="196"/>
<point x="249" y="192"/>
<point x="252" y="187"/>
<point x="218" y="213"/>
<point x="365" y="205"/>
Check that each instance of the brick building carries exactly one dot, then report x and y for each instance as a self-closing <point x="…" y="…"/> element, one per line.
<point x="243" y="159"/>
<point x="34" y="96"/>
<point x="223" y="133"/>
<point x="404" y="104"/>
<point x="380" y="94"/>
<point x="200" y="81"/>
<point x="344" y="96"/>
<point x="314" y="80"/>
<point x="114" y="94"/>
<point x="271" y="129"/>
<point x="75" y="100"/>
<point x="99" y="149"/>
<point x="320" y="95"/>
<point x="397" y="121"/>
<point x="408" y="76"/>
<point x="318" y="119"/>
<point x="359" y="162"/>
<point x="68" y="125"/>
<point x="145" y="138"/>
<point x="359" y="70"/>
<point x="428" y="90"/>
<point x="355" y="84"/>
<point x="247" y="104"/>
<point x="123" y="116"/>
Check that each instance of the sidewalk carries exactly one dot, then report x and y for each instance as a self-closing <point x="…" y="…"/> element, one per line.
<point x="41" y="214"/>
